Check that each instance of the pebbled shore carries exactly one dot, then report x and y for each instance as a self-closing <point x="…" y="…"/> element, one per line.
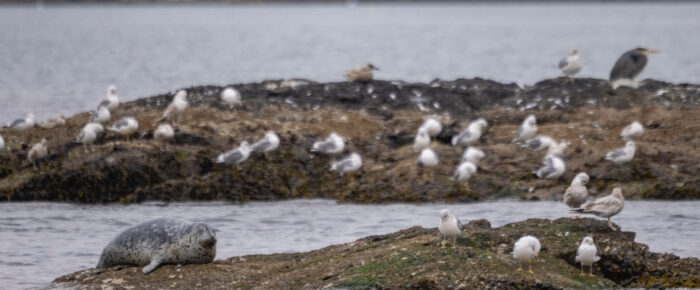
<point x="413" y="258"/>
<point x="379" y="120"/>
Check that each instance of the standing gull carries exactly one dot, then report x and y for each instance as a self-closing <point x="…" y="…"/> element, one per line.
<point x="268" y="143"/>
<point x="471" y="134"/>
<point x="102" y="115"/>
<point x="422" y="139"/>
<point x="94" y="126"/>
<point x="427" y="158"/>
<point x="165" y="133"/>
<point x="364" y="73"/>
<point x="622" y="155"/>
<point x="236" y="155"/>
<point x="24" y="123"/>
<point x="432" y="126"/>
<point x="231" y="97"/>
<point x="631" y="131"/>
<point x="87" y="136"/>
<point x="176" y="107"/>
<point x="570" y="65"/>
<point x="333" y="144"/>
<point x="605" y="207"/>
<point x="629" y="65"/>
<point x="348" y="164"/>
<point x="473" y="155"/>
<point x="587" y="254"/>
<point x="450" y="227"/>
<point x="553" y="167"/>
<point x="527" y="130"/>
<point x="51" y="123"/>
<point x="464" y="171"/>
<point x="112" y="101"/>
<point x="525" y="249"/>
<point x="540" y="142"/>
<point x="126" y="126"/>
<point x="576" y="194"/>
<point x="39" y="151"/>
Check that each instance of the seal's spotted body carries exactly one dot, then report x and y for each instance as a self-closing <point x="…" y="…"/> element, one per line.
<point x="161" y="241"/>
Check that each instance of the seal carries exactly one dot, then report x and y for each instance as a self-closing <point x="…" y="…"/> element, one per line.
<point x="161" y="241"/>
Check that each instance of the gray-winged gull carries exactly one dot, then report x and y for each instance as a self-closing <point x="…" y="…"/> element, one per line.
<point x="539" y="142"/>
<point x="605" y="207"/>
<point x="473" y="155"/>
<point x="177" y="106"/>
<point x="24" y="123"/>
<point x="622" y="155"/>
<point x="570" y="65"/>
<point x="576" y="194"/>
<point x="126" y="126"/>
<point x="236" y="155"/>
<point x="112" y="101"/>
<point x="553" y="167"/>
<point x="527" y="130"/>
<point x="632" y="131"/>
<point x="333" y="144"/>
<point x="471" y="134"/>
<point x="348" y="164"/>
<point x="102" y="115"/>
<point x="450" y="227"/>
<point x="587" y="254"/>
<point x="268" y="143"/>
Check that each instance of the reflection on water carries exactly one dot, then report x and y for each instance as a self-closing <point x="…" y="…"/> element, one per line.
<point x="42" y="241"/>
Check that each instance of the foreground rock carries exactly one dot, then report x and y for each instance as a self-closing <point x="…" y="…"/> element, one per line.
<point x="413" y="258"/>
<point x="379" y="120"/>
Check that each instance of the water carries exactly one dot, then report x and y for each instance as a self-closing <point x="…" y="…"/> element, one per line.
<point x="42" y="241"/>
<point x="61" y="59"/>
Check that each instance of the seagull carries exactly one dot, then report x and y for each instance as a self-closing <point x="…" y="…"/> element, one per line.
<point x="176" y="107"/>
<point x="587" y="254"/>
<point x="101" y="116"/>
<point x="557" y="149"/>
<point x="53" y="122"/>
<point x="333" y="144"/>
<point x="576" y="194"/>
<point x="629" y="65"/>
<point x="231" y="97"/>
<point x="605" y="207"/>
<point x="23" y="124"/>
<point x="349" y="164"/>
<point x="450" y="227"/>
<point x="126" y="126"/>
<point x="631" y="131"/>
<point x="570" y="65"/>
<point x="471" y="134"/>
<point x="236" y="155"/>
<point x="164" y="133"/>
<point x="540" y="142"/>
<point x="267" y="144"/>
<point x="525" y="249"/>
<point x="527" y="130"/>
<point x="422" y="139"/>
<point x="39" y="151"/>
<point x="464" y="171"/>
<point x="361" y="74"/>
<point x="622" y="155"/>
<point x="95" y="127"/>
<point x="553" y="167"/>
<point x="472" y="155"/>
<point x="2" y="143"/>
<point x="87" y="136"/>
<point x="112" y="101"/>
<point x="427" y="158"/>
<point x="433" y="126"/>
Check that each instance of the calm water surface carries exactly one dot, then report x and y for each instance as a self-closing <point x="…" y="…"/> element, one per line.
<point x="42" y="241"/>
<point x="61" y="59"/>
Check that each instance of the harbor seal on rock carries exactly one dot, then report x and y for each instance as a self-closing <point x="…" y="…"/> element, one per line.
<point x="161" y="241"/>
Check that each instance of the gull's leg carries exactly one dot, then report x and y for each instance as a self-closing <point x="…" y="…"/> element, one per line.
<point x="267" y="156"/>
<point x="582" y="273"/>
<point x="611" y="225"/>
<point x="92" y="147"/>
<point x="454" y="242"/>
<point x="85" y="150"/>
<point x="529" y="266"/>
<point x="34" y="165"/>
<point x="443" y="241"/>
<point x="520" y="267"/>
<point x="591" y="271"/>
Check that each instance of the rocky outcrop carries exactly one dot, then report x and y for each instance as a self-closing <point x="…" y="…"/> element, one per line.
<point x="379" y="120"/>
<point x="414" y="258"/>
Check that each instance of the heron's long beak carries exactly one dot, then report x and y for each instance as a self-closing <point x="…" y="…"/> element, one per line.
<point x="652" y="51"/>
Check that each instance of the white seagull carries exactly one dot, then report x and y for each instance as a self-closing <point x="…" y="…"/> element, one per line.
<point x="539" y="142"/>
<point x="471" y="134"/>
<point x="349" y="164"/>
<point x="23" y="124"/>
<point x="576" y="194"/>
<point x="450" y="227"/>
<point x="51" y="123"/>
<point x="570" y="65"/>
<point x="101" y="116"/>
<point x="631" y="131"/>
<point x="126" y="126"/>
<point x="527" y="130"/>
<point x="268" y="143"/>
<point x="231" y="97"/>
<point x="427" y="158"/>
<point x="39" y="151"/>
<point x="553" y="167"/>
<point x="2" y="143"/>
<point x="473" y="155"/>
<point x="433" y="126"/>
<point x="176" y="107"/>
<point x="87" y="136"/>
<point x="525" y="249"/>
<point x="422" y="139"/>
<point x="587" y="254"/>
<point x="605" y="207"/>
<point x="165" y="133"/>
<point x="95" y="127"/>
<point x="112" y="101"/>
<point x="333" y="144"/>
<point x="464" y="171"/>
<point x="622" y="155"/>
<point x="236" y="155"/>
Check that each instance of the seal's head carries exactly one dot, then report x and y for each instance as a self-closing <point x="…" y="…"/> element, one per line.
<point x="206" y="237"/>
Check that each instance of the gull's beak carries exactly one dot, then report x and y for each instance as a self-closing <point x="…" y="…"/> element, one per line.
<point x="652" y="51"/>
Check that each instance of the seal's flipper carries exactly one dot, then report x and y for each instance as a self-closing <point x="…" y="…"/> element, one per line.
<point x="152" y="266"/>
